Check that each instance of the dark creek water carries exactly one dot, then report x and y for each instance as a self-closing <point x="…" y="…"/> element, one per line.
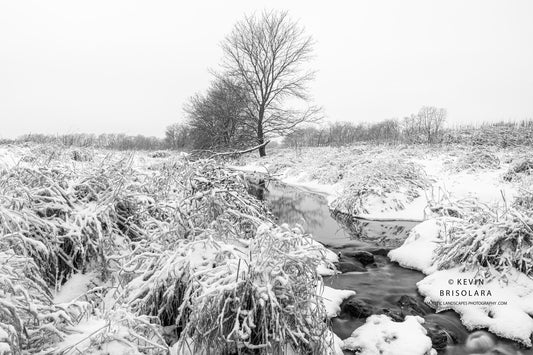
<point x="382" y="287"/>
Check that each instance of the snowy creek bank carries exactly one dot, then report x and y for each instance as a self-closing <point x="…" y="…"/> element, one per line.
<point x="382" y="287"/>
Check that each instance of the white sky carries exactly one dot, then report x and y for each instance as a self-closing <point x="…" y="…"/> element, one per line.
<point x="129" y="66"/>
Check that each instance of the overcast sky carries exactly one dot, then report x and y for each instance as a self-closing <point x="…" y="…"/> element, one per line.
<point x="129" y="66"/>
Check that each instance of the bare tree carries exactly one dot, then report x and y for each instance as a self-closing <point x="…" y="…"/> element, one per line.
<point x="178" y="136"/>
<point x="267" y="53"/>
<point x="431" y="120"/>
<point x="218" y="118"/>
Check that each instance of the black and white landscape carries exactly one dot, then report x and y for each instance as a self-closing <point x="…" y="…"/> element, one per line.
<point x="266" y="178"/>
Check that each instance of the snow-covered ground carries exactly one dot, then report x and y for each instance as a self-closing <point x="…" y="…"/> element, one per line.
<point x="503" y="307"/>
<point x="425" y="181"/>
<point x="444" y="173"/>
<point x="126" y="287"/>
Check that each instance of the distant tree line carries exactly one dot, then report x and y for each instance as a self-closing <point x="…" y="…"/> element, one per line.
<point x="215" y="122"/>
<point x="408" y="130"/>
<point x="107" y="141"/>
<point x="424" y="127"/>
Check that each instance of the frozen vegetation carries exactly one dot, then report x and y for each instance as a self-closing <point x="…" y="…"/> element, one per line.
<point x="122" y="253"/>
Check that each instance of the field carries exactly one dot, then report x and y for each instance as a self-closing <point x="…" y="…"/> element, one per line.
<point x="149" y="253"/>
<point x="156" y="253"/>
<point x="401" y="181"/>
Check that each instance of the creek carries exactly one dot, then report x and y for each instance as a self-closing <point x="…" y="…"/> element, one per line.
<point x="381" y="286"/>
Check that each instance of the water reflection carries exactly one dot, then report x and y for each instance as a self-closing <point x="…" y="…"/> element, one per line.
<point x="390" y="234"/>
<point x="295" y="206"/>
<point x="310" y="210"/>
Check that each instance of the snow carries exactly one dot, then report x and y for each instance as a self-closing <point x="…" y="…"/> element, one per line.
<point x="329" y="170"/>
<point x="477" y="310"/>
<point x="382" y="336"/>
<point x="336" y="342"/>
<point x="186" y="347"/>
<point x="485" y="185"/>
<point x="81" y="336"/>
<point x="511" y="320"/>
<point x="75" y="287"/>
<point x="414" y="210"/>
<point x="332" y="299"/>
<point x="418" y="249"/>
<point x="8" y="159"/>
<point x="6" y="349"/>
<point x="326" y="267"/>
<point x="80" y="341"/>
<point x="303" y="180"/>
<point x="251" y="168"/>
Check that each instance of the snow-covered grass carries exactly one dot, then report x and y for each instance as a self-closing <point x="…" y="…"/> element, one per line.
<point x="494" y="243"/>
<point x="126" y="253"/>
<point x="265" y="300"/>
<point x="398" y="181"/>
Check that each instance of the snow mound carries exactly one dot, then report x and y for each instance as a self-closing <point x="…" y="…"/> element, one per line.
<point x="505" y="309"/>
<point x="76" y="286"/>
<point x="382" y="336"/>
<point x="326" y="257"/>
<point x="418" y="249"/>
<point x="332" y="299"/>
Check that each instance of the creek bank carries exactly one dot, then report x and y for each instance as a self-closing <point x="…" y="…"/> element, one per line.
<point x="379" y="284"/>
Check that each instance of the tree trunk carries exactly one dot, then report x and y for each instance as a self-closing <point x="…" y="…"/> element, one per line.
<point x="261" y="140"/>
<point x="260" y="134"/>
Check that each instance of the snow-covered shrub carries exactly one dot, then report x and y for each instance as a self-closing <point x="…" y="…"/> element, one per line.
<point x="165" y="246"/>
<point x="373" y="181"/>
<point x="264" y="301"/>
<point x="213" y="198"/>
<point x="477" y="160"/>
<point x="28" y="318"/>
<point x="81" y="155"/>
<point x="468" y="209"/>
<point x="64" y="224"/>
<point x="160" y="154"/>
<point x="490" y="242"/>
<point x="524" y="202"/>
<point x="524" y="167"/>
<point x="222" y="296"/>
<point x="167" y="276"/>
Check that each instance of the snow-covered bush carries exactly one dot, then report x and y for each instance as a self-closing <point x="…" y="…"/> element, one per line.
<point x="28" y="318"/>
<point x="518" y="170"/>
<point x="220" y="296"/>
<point x="263" y="302"/>
<point x="171" y="250"/>
<point x="62" y="222"/>
<point x="490" y="242"/>
<point x="477" y="160"/>
<point x="371" y="182"/>
<point x="81" y="155"/>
